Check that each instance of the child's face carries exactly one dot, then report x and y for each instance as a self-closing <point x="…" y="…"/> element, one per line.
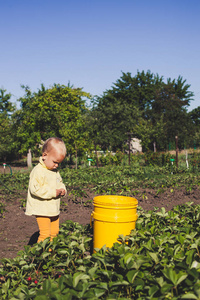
<point x="52" y="159"/>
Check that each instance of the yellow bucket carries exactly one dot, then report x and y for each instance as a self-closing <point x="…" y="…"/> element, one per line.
<point x="113" y="215"/>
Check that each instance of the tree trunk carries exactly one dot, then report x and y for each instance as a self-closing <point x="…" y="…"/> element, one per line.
<point x="97" y="161"/>
<point x="76" y="157"/>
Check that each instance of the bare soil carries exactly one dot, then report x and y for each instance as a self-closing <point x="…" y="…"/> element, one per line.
<point x="18" y="230"/>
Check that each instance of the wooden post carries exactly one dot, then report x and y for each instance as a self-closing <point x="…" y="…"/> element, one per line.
<point x="4" y="168"/>
<point x="129" y="146"/>
<point x="97" y="161"/>
<point x="176" y="138"/>
<point x="154" y="146"/>
<point x="29" y="159"/>
<point x="76" y="157"/>
<point x="186" y="158"/>
<point x="129" y="150"/>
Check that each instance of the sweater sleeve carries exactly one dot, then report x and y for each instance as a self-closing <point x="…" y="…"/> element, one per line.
<point x="60" y="184"/>
<point x="40" y="188"/>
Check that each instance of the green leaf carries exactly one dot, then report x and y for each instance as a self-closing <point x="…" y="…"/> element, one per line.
<point x="41" y="297"/>
<point x="139" y="284"/>
<point x="92" y="271"/>
<point x="175" y="278"/>
<point x="79" y="276"/>
<point x="46" y="286"/>
<point x="22" y="262"/>
<point x="166" y="288"/>
<point x="190" y="255"/>
<point x="154" y="257"/>
<point x="160" y="281"/>
<point x="189" y="296"/>
<point x="195" y="265"/>
<point x="62" y="251"/>
<point x="153" y="289"/>
<point x="45" y="254"/>
<point x="127" y="257"/>
<point x="181" y="277"/>
<point x="103" y="285"/>
<point x="118" y="283"/>
<point x="162" y="212"/>
<point x="131" y="275"/>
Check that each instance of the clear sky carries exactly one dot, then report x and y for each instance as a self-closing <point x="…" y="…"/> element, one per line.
<point x="89" y="43"/>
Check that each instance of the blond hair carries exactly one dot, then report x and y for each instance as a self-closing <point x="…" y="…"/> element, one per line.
<point x="56" y="143"/>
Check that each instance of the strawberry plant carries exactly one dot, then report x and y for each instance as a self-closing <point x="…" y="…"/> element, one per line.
<point x="160" y="259"/>
<point x="2" y="209"/>
<point x="108" y="180"/>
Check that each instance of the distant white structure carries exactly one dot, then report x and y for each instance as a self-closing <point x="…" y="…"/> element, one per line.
<point x="135" y="145"/>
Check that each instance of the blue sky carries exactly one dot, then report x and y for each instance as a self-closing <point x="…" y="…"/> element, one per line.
<point x="90" y="43"/>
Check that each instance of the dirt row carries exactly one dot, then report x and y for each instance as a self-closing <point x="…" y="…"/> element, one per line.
<point x="18" y="230"/>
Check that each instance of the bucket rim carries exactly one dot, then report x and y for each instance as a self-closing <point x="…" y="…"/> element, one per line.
<point x="114" y="219"/>
<point x="115" y="201"/>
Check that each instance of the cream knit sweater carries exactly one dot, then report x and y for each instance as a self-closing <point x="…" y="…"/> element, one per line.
<point x="41" y="199"/>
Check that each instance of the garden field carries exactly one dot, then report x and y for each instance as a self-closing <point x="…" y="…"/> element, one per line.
<point x="159" y="260"/>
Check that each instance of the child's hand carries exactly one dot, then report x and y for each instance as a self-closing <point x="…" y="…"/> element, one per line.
<point x="60" y="192"/>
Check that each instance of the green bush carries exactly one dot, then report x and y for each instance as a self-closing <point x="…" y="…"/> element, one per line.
<point x="111" y="159"/>
<point x="194" y="161"/>
<point x="159" y="260"/>
<point x="158" y="158"/>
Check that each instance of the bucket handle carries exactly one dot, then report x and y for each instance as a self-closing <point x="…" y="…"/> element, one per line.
<point x="91" y="217"/>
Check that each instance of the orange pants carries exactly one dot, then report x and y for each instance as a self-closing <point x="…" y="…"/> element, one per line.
<point x="48" y="226"/>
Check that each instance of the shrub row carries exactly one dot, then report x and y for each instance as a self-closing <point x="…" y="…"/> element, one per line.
<point x="160" y="259"/>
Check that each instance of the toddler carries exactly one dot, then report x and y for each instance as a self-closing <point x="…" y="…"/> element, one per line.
<point x="46" y="188"/>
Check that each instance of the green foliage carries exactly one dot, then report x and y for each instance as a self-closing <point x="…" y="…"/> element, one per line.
<point x="194" y="115"/>
<point x="125" y="179"/>
<point x="144" y="172"/>
<point x="2" y="209"/>
<point x="6" y="132"/>
<point x="15" y="183"/>
<point x="56" y="111"/>
<point x="158" y="158"/>
<point x="194" y="159"/>
<point x="6" y="107"/>
<point x="119" y="109"/>
<point x="111" y="159"/>
<point x="160" y="259"/>
<point x="169" y="104"/>
<point x="145" y="105"/>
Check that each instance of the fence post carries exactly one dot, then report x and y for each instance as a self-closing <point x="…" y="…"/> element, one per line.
<point x="129" y="147"/>
<point x="29" y="159"/>
<point x="176" y="137"/>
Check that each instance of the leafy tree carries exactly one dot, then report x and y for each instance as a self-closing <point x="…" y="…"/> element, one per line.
<point x="119" y="109"/>
<point x="141" y="104"/>
<point x="77" y="135"/>
<point x="115" y="118"/>
<point x="138" y="89"/>
<point x="6" y="133"/>
<point x="170" y="103"/>
<point x="194" y="116"/>
<point x="150" y="133"/>
<point x="92" y="128"/>
<point x="55" y="111"/>
<point x="6" y="107"/>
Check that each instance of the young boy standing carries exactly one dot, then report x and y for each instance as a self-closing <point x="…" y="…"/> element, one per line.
<point x="46" y="188"/>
